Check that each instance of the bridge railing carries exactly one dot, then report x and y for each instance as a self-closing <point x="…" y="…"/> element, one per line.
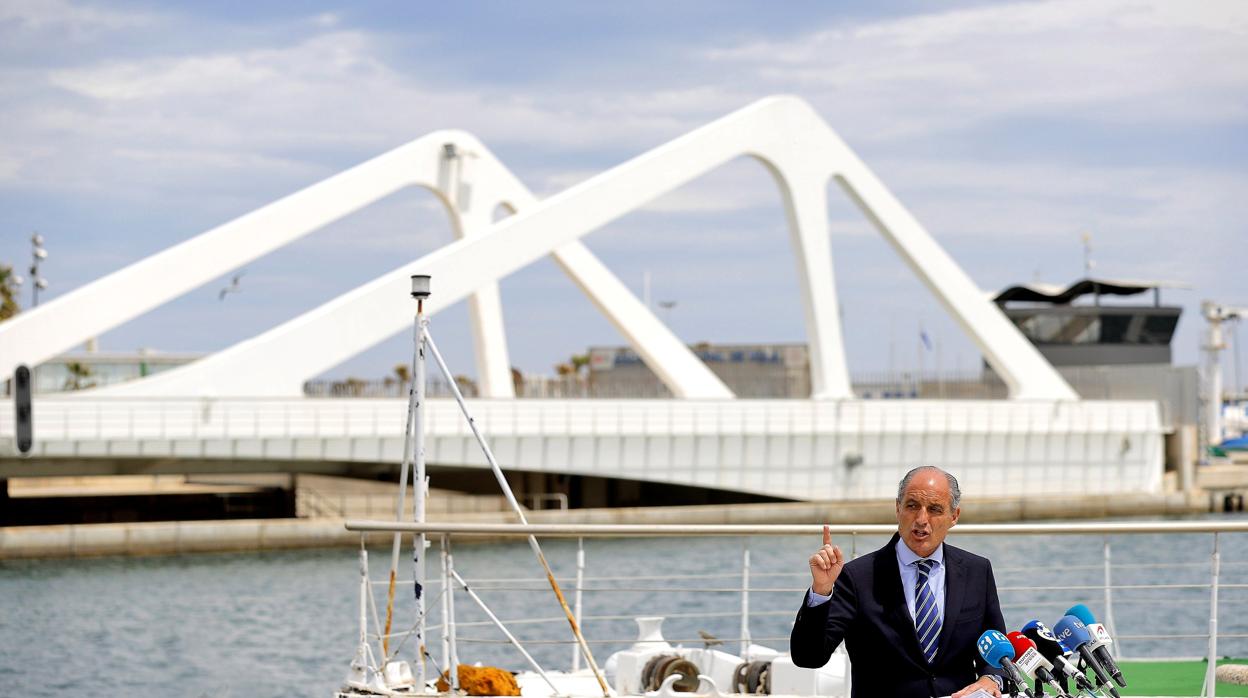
<point x="209" y="417"/>
<point x="139" y="418"/>
<point x="794" y="449"/>
<point x="1164" y="583"/>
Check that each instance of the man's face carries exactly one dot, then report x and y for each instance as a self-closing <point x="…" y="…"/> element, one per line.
<point x="924" y="516"/>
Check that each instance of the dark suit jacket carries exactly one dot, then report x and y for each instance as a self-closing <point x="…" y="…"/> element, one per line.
<point x="868" y="611"/>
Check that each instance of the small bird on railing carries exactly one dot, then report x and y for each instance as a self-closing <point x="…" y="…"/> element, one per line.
<point x="709" y="639"/>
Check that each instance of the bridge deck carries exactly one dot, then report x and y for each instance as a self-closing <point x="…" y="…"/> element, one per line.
<point x="794" y="449"/>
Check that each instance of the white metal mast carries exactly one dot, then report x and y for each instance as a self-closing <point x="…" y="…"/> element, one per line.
<point x="1215" y="341"/>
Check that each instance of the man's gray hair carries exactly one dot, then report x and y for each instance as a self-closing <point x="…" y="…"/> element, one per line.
<point x="954" y="490"/>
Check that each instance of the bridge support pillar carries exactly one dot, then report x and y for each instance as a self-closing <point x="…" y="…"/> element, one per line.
<point x="291" y="495"/>
<point x="806" y="207"/>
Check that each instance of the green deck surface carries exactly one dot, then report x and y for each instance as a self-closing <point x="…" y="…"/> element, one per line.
<point x="1173" y="679"/>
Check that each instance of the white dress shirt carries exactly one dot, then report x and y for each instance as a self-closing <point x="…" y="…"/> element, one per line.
<point x="906" y="563"/>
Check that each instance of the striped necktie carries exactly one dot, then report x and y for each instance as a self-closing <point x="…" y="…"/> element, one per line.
<point x="926" y="614"/>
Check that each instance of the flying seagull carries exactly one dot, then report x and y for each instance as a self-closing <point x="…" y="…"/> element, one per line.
<point x="233" y="287"/>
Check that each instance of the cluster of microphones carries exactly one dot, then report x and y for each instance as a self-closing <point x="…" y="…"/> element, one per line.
<point x="1074" y="653"/>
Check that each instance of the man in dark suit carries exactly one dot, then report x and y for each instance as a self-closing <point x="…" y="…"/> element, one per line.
<point x="910" y="613"/>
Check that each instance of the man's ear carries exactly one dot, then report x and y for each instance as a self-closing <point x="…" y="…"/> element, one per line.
<point x="956" y="513"/>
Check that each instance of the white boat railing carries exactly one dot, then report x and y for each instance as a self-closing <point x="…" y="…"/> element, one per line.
<point x="750" y="581"/>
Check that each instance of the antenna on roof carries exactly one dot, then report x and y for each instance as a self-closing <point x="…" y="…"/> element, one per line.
<point x="1088" y="264"/>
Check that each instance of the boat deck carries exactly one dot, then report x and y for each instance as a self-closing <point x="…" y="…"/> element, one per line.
<point x="1157" y="679"/>
<point x="1173" y="678"/>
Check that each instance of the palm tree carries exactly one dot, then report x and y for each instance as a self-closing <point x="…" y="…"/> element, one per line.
<point x="77" y="372"/>
<point x="466" y="385"/>
<point x="8" y="293"/>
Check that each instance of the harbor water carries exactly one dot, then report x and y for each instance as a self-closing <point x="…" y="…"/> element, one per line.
<point x="285" y="623"/>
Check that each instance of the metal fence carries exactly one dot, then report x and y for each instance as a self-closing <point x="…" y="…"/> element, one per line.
<point x="1176" y="388"/>
<point x="1132" y="587"/>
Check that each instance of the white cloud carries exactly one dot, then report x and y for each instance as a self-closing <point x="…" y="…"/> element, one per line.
<point x="327" y="20"/>
<point x="1003" y="222"/>
<point x="340" y="89"/>
<point x="333" y="90"/>
<point x="1112" y="61"/>
<point x="64" y="17"/>
<point x="167" y="78"/>
<point x="875" y="81"/>
<point x="1158" y="198"/>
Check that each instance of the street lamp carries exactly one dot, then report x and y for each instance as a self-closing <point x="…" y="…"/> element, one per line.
<point x="37" y="254"/>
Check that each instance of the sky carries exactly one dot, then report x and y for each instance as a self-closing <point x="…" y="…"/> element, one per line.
<point x="1009" y="129"/>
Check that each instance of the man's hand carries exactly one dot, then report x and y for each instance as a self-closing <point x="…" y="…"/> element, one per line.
<point x="984" y="682"/>
<point x="825" y="565"/>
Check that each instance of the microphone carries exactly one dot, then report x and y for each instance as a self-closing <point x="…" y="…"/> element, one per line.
<point x="1074" y="633"/>
<point x="1100" y="641"/>
<point x="1029" y="661"/>
<point x="1052" y="650"/>
<point x="998" y="652"/>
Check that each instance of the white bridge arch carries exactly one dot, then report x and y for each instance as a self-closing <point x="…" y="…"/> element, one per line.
<point x="783" y="133"/>
<point x="242" y="409"/>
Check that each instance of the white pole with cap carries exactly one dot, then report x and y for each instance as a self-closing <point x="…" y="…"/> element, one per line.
<point x="413" y="439"/>
<point x="420" y="291"/>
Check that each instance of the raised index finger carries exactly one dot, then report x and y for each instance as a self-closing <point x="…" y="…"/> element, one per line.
<point x="827" y="535"/>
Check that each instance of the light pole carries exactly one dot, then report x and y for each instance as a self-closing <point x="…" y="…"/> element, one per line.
<point x="37" y="255"/>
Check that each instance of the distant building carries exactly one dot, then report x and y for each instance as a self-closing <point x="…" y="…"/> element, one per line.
<point x="749" y="370"/>
<point x="1092" y="334"/>
<point x="1107" y="352"/>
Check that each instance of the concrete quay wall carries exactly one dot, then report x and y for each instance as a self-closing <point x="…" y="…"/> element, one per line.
<point x="177" y="537"/>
